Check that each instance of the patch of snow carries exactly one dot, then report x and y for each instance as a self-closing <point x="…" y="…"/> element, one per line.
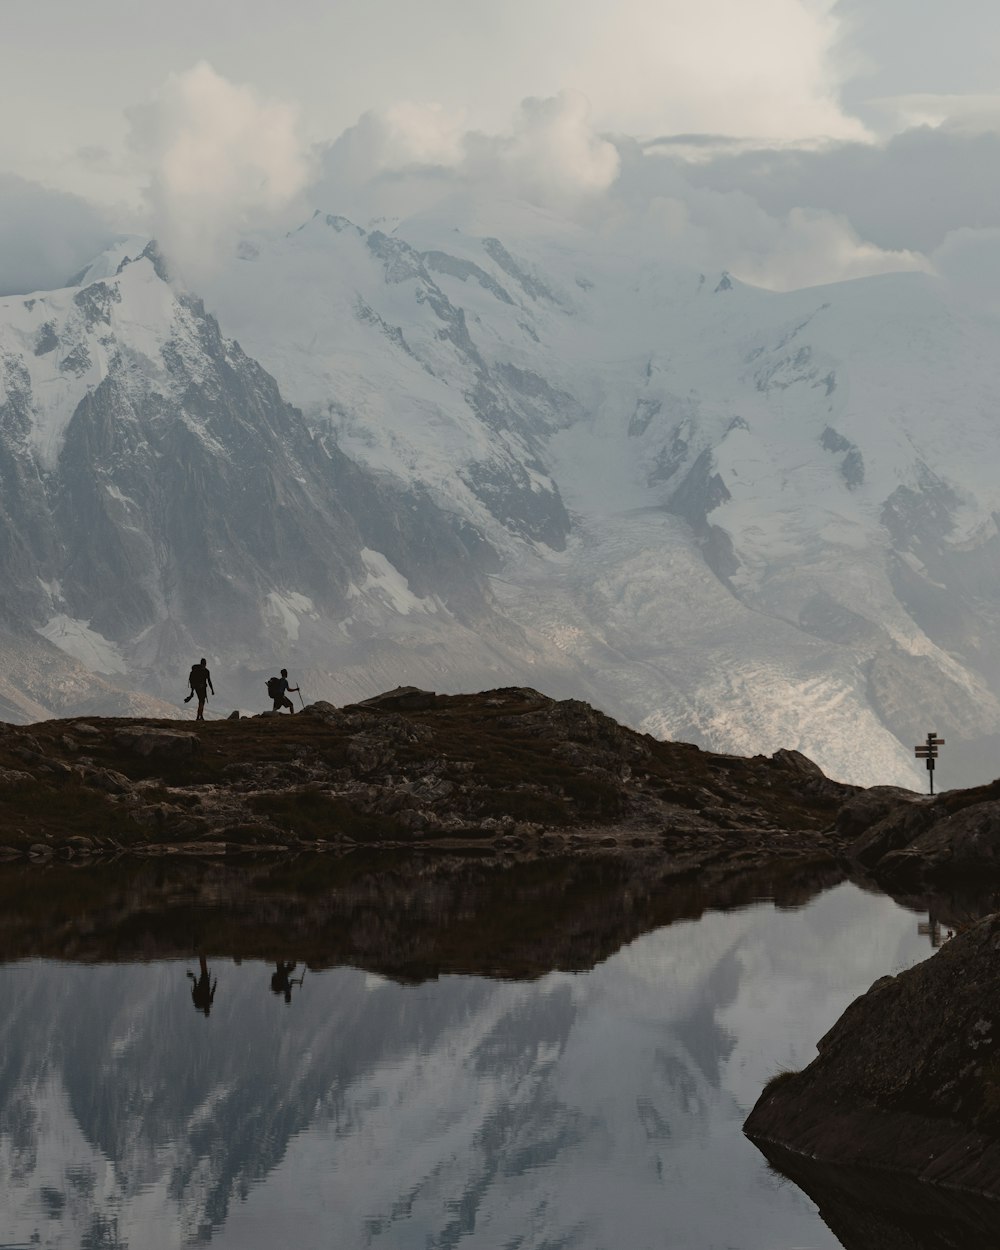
<point x="287" y="609"/>
<point x="76" y="638"/>
<point x="385" y="582"/>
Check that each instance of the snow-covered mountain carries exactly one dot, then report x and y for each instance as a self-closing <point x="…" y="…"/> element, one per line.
<point x="520" y="452"/>
<point x="159" y="500"/>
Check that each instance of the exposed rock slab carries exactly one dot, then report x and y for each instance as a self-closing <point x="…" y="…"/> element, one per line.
<point x="908" y="1080"/>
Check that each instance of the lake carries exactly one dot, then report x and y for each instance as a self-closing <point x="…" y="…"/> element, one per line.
<point x="405" y="1054"/>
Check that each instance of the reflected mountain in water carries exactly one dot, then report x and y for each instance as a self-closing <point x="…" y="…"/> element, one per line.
<point x="579" y="1109"/>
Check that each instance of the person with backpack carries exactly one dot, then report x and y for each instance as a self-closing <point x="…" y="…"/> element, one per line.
<point x="200" y="681"/>
<point x="277" y="688"/>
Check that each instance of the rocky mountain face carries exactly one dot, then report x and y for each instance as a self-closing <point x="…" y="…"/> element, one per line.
<point x="745" y="519"/>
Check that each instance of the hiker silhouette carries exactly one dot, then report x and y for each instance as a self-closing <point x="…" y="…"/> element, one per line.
<point x="200" y="681"/>
<point x="282" y="980"/>
<point x="277" y="688"/>
<point x="202" y="987"/>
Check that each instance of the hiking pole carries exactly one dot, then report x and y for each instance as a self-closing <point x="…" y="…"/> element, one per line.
<point x="301" y="700"/>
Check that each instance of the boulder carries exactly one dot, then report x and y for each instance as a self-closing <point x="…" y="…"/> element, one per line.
<point x="908" y="1079"/>
<point x="796" y="762"/>
<point x="868" y="807"/>
<point x="14" y="777"/>
<point x="964" y="843"/>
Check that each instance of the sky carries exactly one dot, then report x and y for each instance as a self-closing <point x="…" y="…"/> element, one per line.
<point x="790" y="141"/>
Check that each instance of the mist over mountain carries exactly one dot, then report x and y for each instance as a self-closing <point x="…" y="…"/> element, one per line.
<point x="481" y="446"/>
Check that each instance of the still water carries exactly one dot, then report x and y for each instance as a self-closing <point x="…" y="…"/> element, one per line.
<point x="268" y="1101"/>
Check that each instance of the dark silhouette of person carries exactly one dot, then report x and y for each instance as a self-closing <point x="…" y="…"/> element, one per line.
<point x="280" y="697"/>
<point x="200" y="681"/>
<point x="202" y="988"/>
<point x="282" y="980"/>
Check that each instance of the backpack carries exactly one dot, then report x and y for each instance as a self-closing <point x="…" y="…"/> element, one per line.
<point x="274" y="690"/>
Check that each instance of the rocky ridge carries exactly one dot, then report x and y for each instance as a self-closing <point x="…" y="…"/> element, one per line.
<point x="508" y="768"/>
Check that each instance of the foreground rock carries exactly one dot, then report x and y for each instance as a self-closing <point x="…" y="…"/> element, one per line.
<point x="507" y="768"/>
<point x="908" y="1080"/>
<point x="904" y="838"/>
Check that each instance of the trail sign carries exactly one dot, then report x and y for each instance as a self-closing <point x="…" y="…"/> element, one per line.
<point x="927" y="751"/>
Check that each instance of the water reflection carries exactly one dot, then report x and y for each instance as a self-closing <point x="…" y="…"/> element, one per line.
<point x="869" y="1210"/>
<point x="282" y="979"/>
<point x="592" y="1108"/>
<point x="202" y="987"/>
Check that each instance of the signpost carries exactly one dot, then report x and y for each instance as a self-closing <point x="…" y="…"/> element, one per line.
<point x="928" y="751"/>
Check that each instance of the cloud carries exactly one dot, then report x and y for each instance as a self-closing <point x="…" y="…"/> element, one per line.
<point x="630" y="193"/>
<point x="769" y="69"/>
<point x="401" y="137"/>
<point x="45" y="235"/>
<point x="222" y="159"/>
<point x="551" y="156"/>
<point x="714" y="230"/>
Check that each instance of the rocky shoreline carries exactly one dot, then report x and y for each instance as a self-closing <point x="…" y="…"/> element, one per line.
<point x="908" y="1079"/>
<point x="894" y="1128"/>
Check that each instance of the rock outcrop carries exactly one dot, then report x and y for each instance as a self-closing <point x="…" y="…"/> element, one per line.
<point x="908" y="1080"/>
<point x="508" y="767"/>
<point x="903" y="838"/>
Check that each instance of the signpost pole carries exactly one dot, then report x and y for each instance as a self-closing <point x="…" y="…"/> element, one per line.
<point x="927" y="751"/>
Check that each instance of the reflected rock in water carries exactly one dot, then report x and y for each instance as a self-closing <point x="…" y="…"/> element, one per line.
<point x="411" y="917"/>
<point x="874" y="1211"/>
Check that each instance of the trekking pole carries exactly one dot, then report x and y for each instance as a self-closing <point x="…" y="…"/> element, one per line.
<point x="301" y="700"/>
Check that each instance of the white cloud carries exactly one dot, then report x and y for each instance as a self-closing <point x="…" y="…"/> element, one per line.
<point x="551" y="157"/>
<point x="767" y="69"/>
<point x="403" y="136"/>
<point x="804" y="247"/>
<point x="222" y="159"/>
